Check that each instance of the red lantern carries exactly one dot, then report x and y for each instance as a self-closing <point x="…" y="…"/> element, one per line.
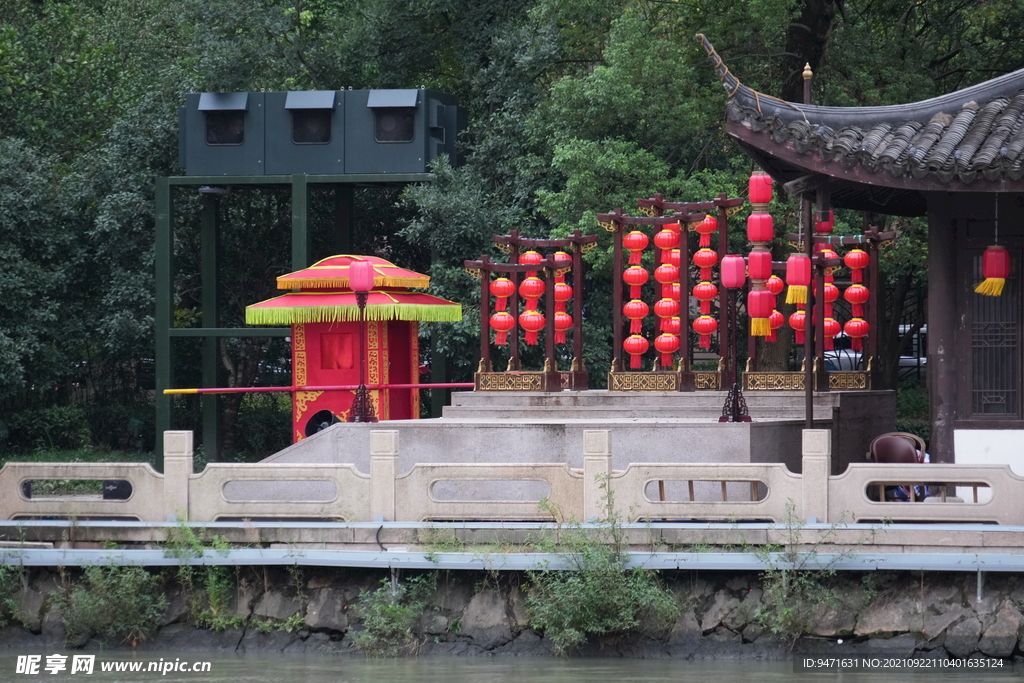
<point x="502" y="288"/>
<point x="798" y="321"/>
<point x="635" y="277"/>
<point x="672" y="257"/>
<point x="635" y="346"/>
<point x="635" y="242"/>
<point x="672" y="325"/>
<point x="857" y="295"/>
<point x="563" y="322"/>
<point x="666" y="273"/>
<point x="563" y="261"/>
<point x="832" y="327"/>
<point x="563" y="293"/>
<point x="705" y="326"/>
<point x="635" y="311"/>
<point x="705" y="259"/>
<point x="995" y="268"/>
<point x="798" y="277"/>
<point x="760" y="227"/>
<point x="706" y="228"/>
<point x="734" y="271"/>
<point x="666" y="239"/>
<point x="856" y="259"/>
<point x="530" y="258"/>
<point x="672" y="290"/>
<point x="666" y="344"/>
<point x="760" y="304"/>
<point x="856" y="329"/>
<point x="775" y="285"/>
<point x="831" y="293"/>
<point x="759" y="265"/>
<point x="666" y="308"/>
<point x="760" y="188"/>
<point x="827" y="225"/>
<point x="775" y="321"/>
<point x="705" y="292"/>
<point x="674" y="227"/>
<point x="533" y="322"/>
<point x="531" y="289"/>
<point x="502" y="322"/>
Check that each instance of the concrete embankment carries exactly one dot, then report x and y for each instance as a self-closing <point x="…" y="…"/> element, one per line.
<point x="721" y="615"/>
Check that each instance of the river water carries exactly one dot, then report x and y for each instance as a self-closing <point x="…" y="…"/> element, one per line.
<point x="326" y="669"/>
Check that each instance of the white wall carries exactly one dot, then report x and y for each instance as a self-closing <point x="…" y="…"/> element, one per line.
<point x="988" y="447"/>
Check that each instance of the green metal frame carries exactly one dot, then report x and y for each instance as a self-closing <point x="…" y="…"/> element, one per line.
<point x="164" y="330"/>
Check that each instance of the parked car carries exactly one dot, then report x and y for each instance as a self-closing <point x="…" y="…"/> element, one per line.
<point x="912" y="366"/>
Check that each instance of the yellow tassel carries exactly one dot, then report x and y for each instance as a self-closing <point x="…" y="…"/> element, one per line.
<point x="992" y="286"/>
<point x="760" y="327"/>
<point x="796" y="294"/>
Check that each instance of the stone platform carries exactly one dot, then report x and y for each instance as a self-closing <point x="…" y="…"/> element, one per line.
<point x="657" y="427"/>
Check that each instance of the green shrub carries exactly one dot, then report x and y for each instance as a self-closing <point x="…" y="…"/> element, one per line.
<point x="390" y="612"/>
<point x="10" y="585"/>
<point x="114" y="602"/>
<point x="600" y="596"/>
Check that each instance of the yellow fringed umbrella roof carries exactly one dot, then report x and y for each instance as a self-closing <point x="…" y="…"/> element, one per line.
<point x="332" y="273"/>
<point x="337" y="306"/>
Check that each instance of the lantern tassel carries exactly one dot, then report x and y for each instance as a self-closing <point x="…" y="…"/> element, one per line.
<point x="560" y="337"/>
<point x="501" y="304"/>
<point x="798" y="336"/>
<point x="991" y="286"/>
<point x="705" y="240"/>
<point x="760" y="327"/>
<point x="634" y="361"/>
<point x="634" y="257"/>
<point x="856" y="344"/>
<point x="501" y="338"/>
<point x="531" y="338"/>
<point x="772" y="337"/>
<point x="666" y="360"/>
<point x="636" y="325"/>
<point x="830" y="344"/>
<point x="705" y="341"/>
<point x="796" y="294"/>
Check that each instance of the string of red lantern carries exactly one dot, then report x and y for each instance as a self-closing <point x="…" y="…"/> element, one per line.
<point x="563" y="293"/>
<point x="857" y="295"/>
<point x="760" y="233"/>
<point x="502" y="321"/>
<point x="531" y="289"/>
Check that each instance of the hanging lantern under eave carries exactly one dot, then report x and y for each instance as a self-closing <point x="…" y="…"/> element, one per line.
<point x="831" y="293"/>
<point x="760" y="304"/>
<point x="760" y="227"/>
<point x="759" y="265"/>
<point x="530" y="258"/>
<point x="798" y="278"/>
<point x="635" y="242"/>
<point x="856" y="260"/>
<point x="759" y="188"/>
<point x="502" y="323"/>
<point x="672" y="290"/>
<point x="666" y="273"/>
<point x="995" y="268"/>
<point x="832" y="328"/>
<point x="734" y="271"/>
<point x="825" y="227"/>
<point x="563" y="322"/>
<point x="775" y="284"/>
<point x="666" y="344"/>
<point x="673" y="325"/>
<point x="672" y="257"/>
<point x="857" y="295"/>
<point x="705" y="259"/>
<point x="705" y="326"/>
<point x="636" y="346"/>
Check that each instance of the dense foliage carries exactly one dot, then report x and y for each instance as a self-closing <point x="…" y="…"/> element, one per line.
<point x="574" y="108"/>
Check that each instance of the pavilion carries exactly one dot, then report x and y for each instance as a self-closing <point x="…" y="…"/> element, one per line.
<point x="957" y="159"/>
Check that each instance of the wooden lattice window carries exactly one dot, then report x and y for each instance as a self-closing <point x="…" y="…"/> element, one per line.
<point x="995" y="328"/>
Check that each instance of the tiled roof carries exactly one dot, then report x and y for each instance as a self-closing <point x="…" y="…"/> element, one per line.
<point x="972" y="134"/>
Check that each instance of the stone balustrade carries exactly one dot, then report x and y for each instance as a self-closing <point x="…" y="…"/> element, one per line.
<point x="496" y="491"/>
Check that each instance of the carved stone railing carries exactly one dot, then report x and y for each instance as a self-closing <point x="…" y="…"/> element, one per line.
<point x="512" y="492"/>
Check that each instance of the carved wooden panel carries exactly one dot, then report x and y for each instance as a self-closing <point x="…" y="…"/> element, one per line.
<point x="643" y="381"/>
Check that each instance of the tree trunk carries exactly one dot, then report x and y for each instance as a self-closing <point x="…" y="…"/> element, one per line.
<point x="806" y="40"/>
